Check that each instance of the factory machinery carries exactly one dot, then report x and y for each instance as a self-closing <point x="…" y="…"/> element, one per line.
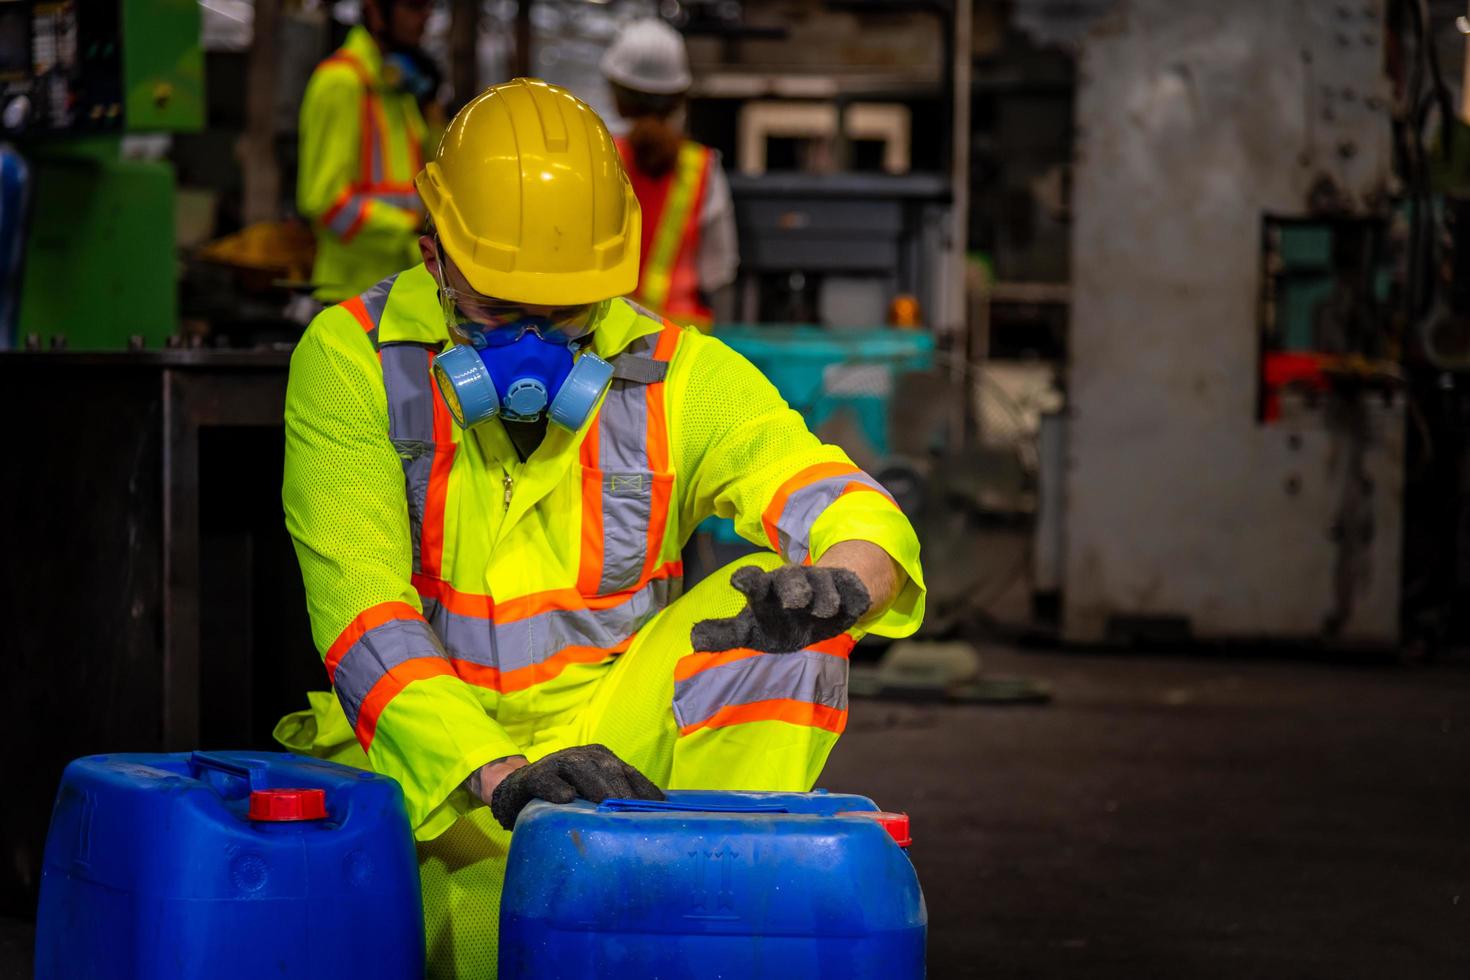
<point x="1264" y="437"/>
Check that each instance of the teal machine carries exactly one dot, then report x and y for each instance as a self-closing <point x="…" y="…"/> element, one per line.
<point x="822" y="257"/>
<point x="98" y="262"/>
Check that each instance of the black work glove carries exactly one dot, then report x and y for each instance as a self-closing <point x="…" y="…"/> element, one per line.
<point x="589" y="771"/>
<point x="788" y="609"/>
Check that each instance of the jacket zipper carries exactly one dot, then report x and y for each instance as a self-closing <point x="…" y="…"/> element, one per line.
<point x="509" y="484"/>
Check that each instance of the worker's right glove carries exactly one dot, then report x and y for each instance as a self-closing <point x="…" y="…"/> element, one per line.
<point x="589" y="771"/>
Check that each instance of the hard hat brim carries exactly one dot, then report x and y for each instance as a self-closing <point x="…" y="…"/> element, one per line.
<point x="545" y="215"/>
<point x="521" y="285"/>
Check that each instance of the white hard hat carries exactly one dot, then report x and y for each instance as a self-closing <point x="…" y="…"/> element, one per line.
<point x="648" y="56"/>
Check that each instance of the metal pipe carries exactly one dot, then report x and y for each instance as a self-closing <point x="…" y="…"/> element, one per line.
<point x="953" y="319"/>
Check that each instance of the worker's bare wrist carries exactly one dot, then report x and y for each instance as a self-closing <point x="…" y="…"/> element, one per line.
<point x="482" y="782"/>
<point x="874" y="567"/>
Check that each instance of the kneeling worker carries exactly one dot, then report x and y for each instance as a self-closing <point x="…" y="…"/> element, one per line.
<point x="492" y="464"/>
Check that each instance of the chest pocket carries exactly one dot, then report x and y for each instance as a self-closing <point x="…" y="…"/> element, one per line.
<point x="419" y="428"/>
<point x="627" y="484"/>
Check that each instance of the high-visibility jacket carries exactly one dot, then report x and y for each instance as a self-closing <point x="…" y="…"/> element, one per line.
<point x="361" y="143"/>
<point x="463" y="600"/>
<point x="668" y="280"/>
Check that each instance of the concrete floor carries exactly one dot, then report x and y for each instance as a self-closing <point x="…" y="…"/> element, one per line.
<point x="1186" y="817"/>
<point x="1168" y="817"/>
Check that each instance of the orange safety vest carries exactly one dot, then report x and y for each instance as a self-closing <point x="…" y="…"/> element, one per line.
<point x="349" y="210"/>
<point x="673" y="207"/>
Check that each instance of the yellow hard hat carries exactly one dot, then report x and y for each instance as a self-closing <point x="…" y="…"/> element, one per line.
<point x="530" y="200"/>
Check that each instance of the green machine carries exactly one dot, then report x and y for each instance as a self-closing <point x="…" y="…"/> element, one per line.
<point x="75" y="77"/>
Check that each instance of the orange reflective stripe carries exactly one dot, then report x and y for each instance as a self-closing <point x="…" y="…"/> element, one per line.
<point x="460" y="603"/>
<point x="343" y="199"/>
<point x="589" y="570"/>
<point x="776" y="709"/>
<point x="380" y="119"/>
<point x="373" y="139"/>
<point x="683" y="303"/>
<point x="358" y="309"/>
<point x="480" y="606"/>
<point x="658" y="426"/>
<point x="349" y="59"/>
<point x="658" y="522"/>
<point x="552" y="600"/>
<point x="510" y="681"/>
<point x="388" y="688"/>
<point x="365" y="123"/>
<point x="365" y="142"/>
<point x="431" y="549"/>
<point x="668" y="342"/>
<point x="369" y="618"/>
<point x="359" y="221"/>
<point x="772" y="515"/>
<point x="838" y="646"/>
<point x="657" y="444"/>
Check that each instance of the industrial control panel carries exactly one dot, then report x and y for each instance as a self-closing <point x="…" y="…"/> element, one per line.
<point x="99" y="66"/>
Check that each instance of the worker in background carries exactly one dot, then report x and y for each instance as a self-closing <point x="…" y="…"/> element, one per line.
<point x="689" y="251"/>
<point x="492" y="464"/>
<point x="362" y="141"/>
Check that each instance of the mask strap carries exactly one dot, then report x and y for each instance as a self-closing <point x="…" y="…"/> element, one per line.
<point x="446" y="305"/>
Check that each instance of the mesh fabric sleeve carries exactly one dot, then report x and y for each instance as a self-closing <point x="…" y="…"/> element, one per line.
<point x="742" y="453"/>
<point x="347" y="514"/>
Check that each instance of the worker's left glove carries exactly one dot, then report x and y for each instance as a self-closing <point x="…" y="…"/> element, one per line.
<point x="592" y="772"/>
<point x="787" y="610"/>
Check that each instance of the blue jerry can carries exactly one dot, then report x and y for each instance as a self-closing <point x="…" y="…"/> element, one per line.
<point x="711" y="884"/>
<point x="228" y="864"/>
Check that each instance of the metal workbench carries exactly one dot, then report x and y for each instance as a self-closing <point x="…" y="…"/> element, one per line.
<point x="150" y="595"/>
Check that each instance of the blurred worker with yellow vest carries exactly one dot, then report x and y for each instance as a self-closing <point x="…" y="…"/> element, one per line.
<point x="493" y="463"/>
<point x="362" y="140"/>
<point x="689" y="251"/>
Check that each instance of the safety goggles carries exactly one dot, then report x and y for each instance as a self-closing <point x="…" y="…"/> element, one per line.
<point x="495" y="323"/>
<point x="502" y="324"/>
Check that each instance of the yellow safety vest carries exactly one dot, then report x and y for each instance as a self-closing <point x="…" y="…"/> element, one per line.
<point x="464" y="600"/>
<point x="361" y="145"/>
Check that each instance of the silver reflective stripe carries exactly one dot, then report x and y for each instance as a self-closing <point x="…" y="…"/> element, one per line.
<point x="535" y="639"/>
<point x="410" y="393"/>
<point x="627" y="481"/>
<point x="344" y="219"/>
<point x="627" y="507"/>
<point x="816" y="678"/>
<point x="407" y="200"/>
<point x="378" y="651"/>
<point x="622" y="429"/>
<point x="376" y="299"/>
<point x="804" y="506"/>
<point x="418" y="465"/>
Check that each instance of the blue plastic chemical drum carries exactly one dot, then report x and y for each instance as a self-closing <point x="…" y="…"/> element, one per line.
<point x="228" y="864"/>
<point x="711" y="884"/>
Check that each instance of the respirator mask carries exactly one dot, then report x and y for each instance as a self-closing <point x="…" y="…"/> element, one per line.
<point x="518" y="364"/>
